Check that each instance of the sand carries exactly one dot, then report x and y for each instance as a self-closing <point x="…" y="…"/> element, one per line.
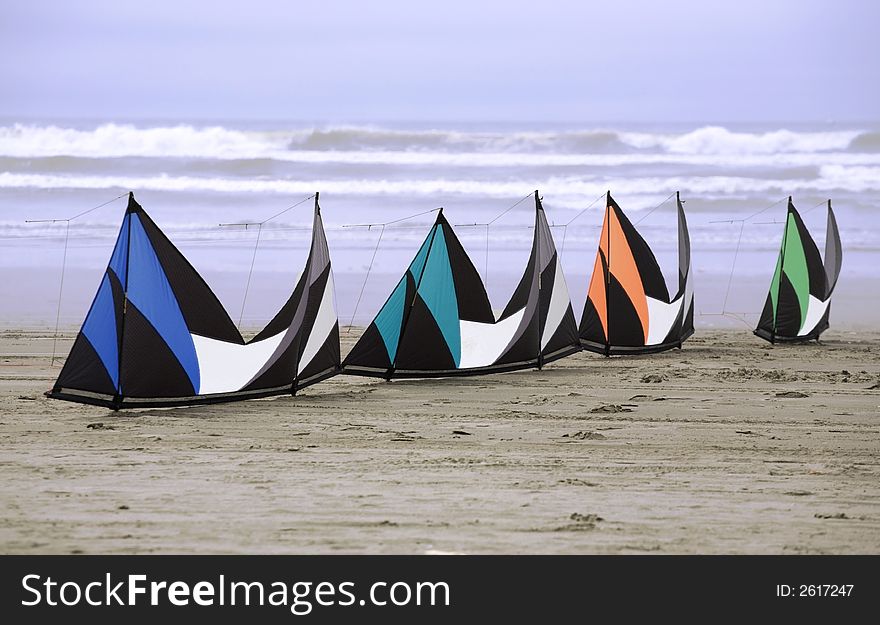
<point x="730" y="445"/>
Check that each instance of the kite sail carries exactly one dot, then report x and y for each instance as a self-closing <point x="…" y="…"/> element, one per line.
<point x="799" y="300"/>
<point x="439" y="322"/>
<point x="628" y="308"/>
<point x="156" y="335"/>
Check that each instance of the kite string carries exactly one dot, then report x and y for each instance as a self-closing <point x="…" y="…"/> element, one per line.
<point x="488" y="224"/>
<point x="86" y="212"/>
<point x="752" y="216"/>
<point x="393" y="221"/>
<point x="742" y="225"/>
<point x="584" y="210"/>
<point x="566" y="224"/>
<point x="514" y="205"/>
<point x="60" y="291"/>
<point x="375" y="252"/>
<point x="764" y="210"/>
<point x="247" y="286"/>
<point x="366" y="277"/>
<point x="259" y="225"/>
<point x="646" y="215"/>
<point x="731" y="315"/>
<point x="809" y="210"/>
<point x="733" y="267"/>
<point x="78" y="215"/>
<point x="812" y="208"/>
<point x="486" y="262"/>
<point x="289" y="208"/>
<point x="64" y="262"/>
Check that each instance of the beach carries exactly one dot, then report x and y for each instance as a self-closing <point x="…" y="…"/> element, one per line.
<point x="729" y="445"/>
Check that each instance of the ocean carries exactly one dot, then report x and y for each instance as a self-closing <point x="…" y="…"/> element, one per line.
<point x="193" y="176"/>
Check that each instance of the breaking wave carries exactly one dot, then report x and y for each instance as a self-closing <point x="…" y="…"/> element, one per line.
<point x="866" y="142"/>
<point x="217" y="142"/>
<point x="719" y="140"/>
<point x="115" y="140"/>
<point x="770" y="164"/>
<point x="355" y="138"/>
<point x="853" y="179"/>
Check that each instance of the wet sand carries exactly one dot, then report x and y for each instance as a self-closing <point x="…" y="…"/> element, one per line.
<point x="730" y="445"/>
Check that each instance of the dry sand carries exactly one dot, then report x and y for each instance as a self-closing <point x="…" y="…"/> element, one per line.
<point x="728" y="446"/>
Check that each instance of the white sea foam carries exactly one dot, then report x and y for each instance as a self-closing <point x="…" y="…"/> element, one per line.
<point x="115" y="140"/>
<point x="720" y="140"/>
<point x="217" y="142"/>
<point x="497" y="160"/>
<point x="853" y="179"/>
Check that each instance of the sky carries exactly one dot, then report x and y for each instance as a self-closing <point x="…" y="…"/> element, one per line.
<point x="398" y="60"/>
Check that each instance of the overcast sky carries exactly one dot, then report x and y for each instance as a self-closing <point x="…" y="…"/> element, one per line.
<point x="386" y="60"/>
